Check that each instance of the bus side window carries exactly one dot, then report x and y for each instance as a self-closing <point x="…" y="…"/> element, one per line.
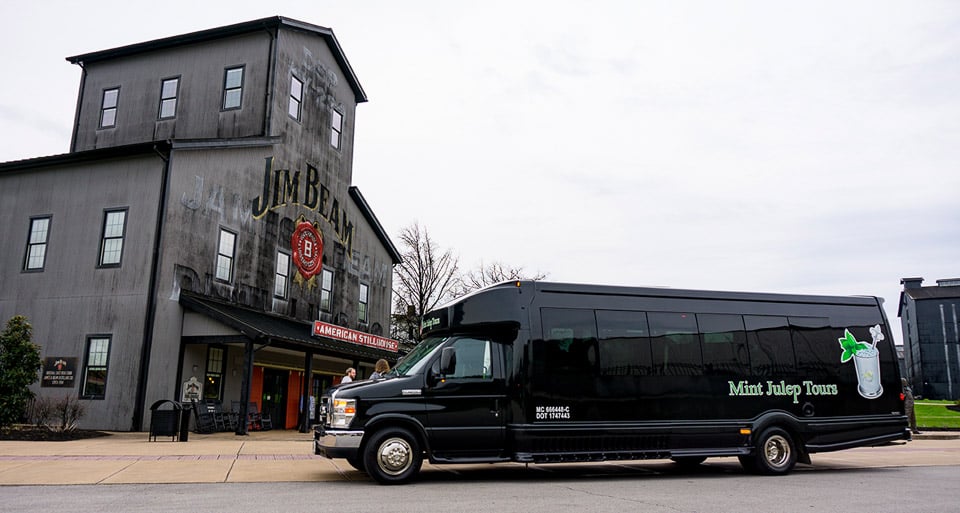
<point x="771" y="350"/>
<point x="815" y="345"/>
<point x="724" y="345"/>
<point x="570" y="342"/>
<point x="675" y="344"/>
<point x="624" y="343"/>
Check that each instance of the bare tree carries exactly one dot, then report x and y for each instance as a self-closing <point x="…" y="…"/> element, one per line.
<point x="427" y="277"/>
<point x="495" y="272"/>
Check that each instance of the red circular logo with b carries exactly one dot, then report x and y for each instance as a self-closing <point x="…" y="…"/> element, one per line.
<point x="307" y="244"/>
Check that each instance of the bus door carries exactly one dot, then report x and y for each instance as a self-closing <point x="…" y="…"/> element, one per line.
<point x="465" y="409"/>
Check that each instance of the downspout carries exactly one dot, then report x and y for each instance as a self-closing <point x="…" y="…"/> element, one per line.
<point x="76" y="114"/>
<point x="151" y="313"/>
<point x="271" y="75"/>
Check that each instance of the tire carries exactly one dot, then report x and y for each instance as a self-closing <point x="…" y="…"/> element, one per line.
<point x="393" y="456"/>
<point x="689" y="461"/>
<point x="356" y="462"/>
<point x="775" y="453"/>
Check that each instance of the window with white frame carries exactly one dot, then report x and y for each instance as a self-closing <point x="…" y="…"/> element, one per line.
<point x="36" y="255"/>
<point x="232" y="88"/>
<point x="282" y="275"/>
<point x="95" y="367"/>
<point x="362" y="306"/>
<point x="225" y="252"/>
<point x="296" y="98"/>
<point x="108" y="107"/>
<point x="326" y="290"/>
<point x="336" y="128"/>
<point x="168" y="97"/>
<point x="111" y="241"/>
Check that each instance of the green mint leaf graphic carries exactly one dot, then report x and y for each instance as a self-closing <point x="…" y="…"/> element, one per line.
<point x="850" y="346"/>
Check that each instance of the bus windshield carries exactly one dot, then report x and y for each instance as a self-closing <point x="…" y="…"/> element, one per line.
<point x="414" y="360"/>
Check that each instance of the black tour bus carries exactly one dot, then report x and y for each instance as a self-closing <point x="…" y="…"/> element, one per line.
<point x="547" y="372"/>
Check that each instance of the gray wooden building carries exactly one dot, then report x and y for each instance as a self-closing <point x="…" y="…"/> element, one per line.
<point x="930" y="320"/>
<point x="176" y="242"/>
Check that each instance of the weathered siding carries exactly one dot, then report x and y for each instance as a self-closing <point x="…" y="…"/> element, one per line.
<point x="199" y="115"/>
<point x="71" y="298"/>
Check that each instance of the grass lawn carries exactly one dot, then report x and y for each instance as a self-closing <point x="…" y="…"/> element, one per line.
<point x="934" y="414"/>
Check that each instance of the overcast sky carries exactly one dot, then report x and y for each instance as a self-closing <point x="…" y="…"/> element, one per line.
<point x="768" y="146"/>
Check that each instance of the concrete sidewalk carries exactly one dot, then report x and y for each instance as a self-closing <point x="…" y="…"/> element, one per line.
<point x="278" y="455"/>
<point x="131" y="458"/>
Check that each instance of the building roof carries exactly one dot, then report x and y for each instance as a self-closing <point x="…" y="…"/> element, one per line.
<point x="270" y="23"/>
<point x="274" y="330"/>
<point x="938" y="292"/>
<point x="160" y="148"/>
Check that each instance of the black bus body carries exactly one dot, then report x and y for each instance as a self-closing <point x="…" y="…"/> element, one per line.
<point x="546" y="372"/>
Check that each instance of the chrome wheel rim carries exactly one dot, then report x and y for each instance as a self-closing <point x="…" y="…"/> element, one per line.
<point x="395" y="456"/>
<point x="777" y="451"/>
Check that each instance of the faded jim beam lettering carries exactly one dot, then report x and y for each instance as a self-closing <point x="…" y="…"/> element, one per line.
<point x="286" y="191"/>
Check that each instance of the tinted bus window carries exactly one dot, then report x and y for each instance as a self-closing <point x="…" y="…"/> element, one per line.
<point x="570" y="342"/>
<point x="815" y="346"/>
<point x="771" y="351"/>
<point x="724" y="345"/>
<point x="624" y="343"/>
<point x="675" y="344"/>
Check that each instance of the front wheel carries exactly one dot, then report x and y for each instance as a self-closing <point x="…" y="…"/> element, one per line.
<point x="775" y="452"/>
<point x="356" y="462"/>
<point x="393" y="456"/>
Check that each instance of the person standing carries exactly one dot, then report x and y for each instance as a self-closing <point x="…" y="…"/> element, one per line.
<point x="909" y="406"/>
<point x="349" y="376"/>
<point x="381" y="369"/>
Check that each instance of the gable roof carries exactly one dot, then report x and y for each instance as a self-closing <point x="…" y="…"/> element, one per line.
<point x="271" y="23"/>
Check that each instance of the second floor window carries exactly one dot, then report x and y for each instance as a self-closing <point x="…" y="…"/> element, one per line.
<point x="364" y="301"/>
<point x="168" y="97"/>
<point x="111" y="243"/>
<point x="37" y="244"/>
<point x="108" y="107"/>
<point x="296" y="98"/>
<point x="225" y="249"/>
<point x="232" y="88"/>
<point x="283" y="273"/>
<point x="326" y="290"/>
<point x="336" y="128"/>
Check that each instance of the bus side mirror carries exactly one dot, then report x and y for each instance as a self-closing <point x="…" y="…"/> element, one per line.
<point x="448" y="361"/>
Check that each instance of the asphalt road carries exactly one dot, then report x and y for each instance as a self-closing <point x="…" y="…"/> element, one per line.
<point x="657" y="488"/>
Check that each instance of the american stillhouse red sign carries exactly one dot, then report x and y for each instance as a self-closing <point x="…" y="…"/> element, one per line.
<point x="322" y="329"/>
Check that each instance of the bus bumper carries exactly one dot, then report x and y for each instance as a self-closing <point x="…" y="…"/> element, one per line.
<point x="336" y="443"/>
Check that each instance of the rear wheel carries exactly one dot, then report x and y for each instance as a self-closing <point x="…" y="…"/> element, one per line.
<point x="393" y="456"/>
<point x="775" y="453"/>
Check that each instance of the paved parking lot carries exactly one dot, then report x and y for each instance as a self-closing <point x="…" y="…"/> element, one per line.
<point x="287" y="456"/>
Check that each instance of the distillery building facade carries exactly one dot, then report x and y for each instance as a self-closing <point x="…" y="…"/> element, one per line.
<point x="930" y="320"/>
<point x="202" y="238"/>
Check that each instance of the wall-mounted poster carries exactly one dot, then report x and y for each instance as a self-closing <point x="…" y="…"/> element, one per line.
<point x="59" y="371"/>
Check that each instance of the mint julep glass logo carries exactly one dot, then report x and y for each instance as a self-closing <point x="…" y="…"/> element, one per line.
<point x="866" y="359"/>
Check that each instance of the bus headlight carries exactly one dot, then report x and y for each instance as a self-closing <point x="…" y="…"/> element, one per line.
<point x="343" y="412"/>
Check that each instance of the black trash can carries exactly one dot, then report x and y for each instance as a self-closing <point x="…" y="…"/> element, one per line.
<point x="165" y="422"/>
<point x="186" y="408"/>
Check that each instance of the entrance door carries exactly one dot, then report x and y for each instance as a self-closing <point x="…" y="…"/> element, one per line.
<point x="273" y="400"/>
<point x="465" y="411"/>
